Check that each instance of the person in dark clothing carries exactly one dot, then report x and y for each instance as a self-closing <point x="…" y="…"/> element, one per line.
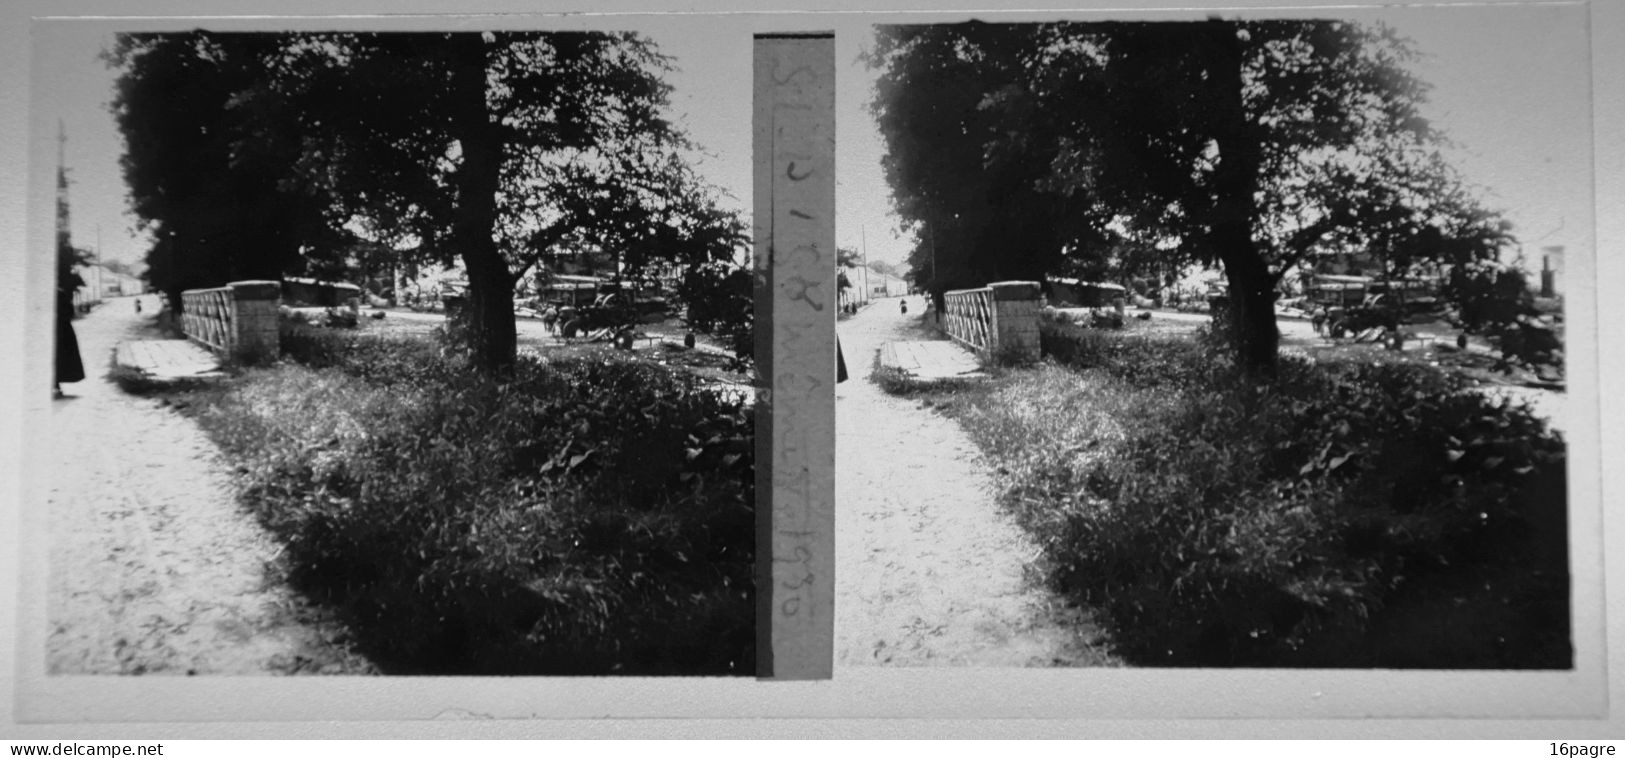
<point x="68" y="366"/>
<point x="840" y="363"/>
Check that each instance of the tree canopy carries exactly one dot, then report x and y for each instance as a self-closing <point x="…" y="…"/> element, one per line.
<point x="483" y="149"/>
<point x="978" y="221"/>
<point x="1142" y="145"/>
<point x="215" y="215"/>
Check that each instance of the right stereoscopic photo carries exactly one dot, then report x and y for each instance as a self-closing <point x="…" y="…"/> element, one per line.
<point x="1233" y="341"/>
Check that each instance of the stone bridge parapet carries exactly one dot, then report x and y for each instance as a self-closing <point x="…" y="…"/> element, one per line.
<point x="237" y="322"/>
<point x="999" y="321"/>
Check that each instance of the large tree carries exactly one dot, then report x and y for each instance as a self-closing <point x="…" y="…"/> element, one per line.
<point x="486" y="150"/>
<point x="214" y="213"/>
<point x="975" y="221"/>
<point x="1246" y="144"/>
<point x="494" y="148"/>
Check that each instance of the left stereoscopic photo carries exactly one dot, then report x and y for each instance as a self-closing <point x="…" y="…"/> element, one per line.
<point x="397" y="353"/>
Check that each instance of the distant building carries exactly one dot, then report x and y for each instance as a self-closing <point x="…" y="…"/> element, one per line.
<point x="1551" y="271"/>
<point x="855" y="292"/>
<point x="102" y="283"/>
<point x="885" y="285"/>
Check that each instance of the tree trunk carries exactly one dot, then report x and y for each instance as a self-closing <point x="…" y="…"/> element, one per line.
<point x="1235" y="179"/>
<point x="489" y="314"/>
<point x="1252" y="304"/>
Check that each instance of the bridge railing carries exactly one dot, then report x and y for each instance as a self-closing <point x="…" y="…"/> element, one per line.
<point x="967" y="317"/>
<point x="237" y="322"/>
<point x="206" y="317"/>
<point x="999" y="321"/>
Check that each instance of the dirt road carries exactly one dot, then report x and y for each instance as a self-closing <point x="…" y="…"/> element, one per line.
<point x="153" y="566"/>
<point x="932" y="572"/>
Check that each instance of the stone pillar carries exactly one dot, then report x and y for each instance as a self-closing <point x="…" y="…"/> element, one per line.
<point x="254" y="315"/>
<point x="1015" y="321"/>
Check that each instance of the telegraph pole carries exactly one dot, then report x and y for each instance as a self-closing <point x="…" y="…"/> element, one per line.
<point x="936" y="284"/>
<point x="99" y="288"/>
<point x="930" y="235"/>
<point x="863" y="250"/>
<point x="64" y="239"/>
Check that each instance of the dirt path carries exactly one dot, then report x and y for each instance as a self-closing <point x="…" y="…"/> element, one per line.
<point x="932" y="571"/>
<point x="154" y="568"/>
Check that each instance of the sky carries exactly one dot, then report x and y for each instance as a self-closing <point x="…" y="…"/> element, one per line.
<point x="1511" y="86"/>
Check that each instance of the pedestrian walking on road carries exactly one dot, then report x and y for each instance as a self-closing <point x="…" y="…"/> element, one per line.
<point x="138" y="305"/>
<point x="904" y="304"/>
<point x="68" y="368"/>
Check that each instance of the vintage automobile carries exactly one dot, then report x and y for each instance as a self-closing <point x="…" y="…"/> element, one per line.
<point x="1357" y="305"/>
<point x="608" y="311"/>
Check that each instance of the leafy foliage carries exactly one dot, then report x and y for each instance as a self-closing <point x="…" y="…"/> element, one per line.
<point x="215" y="213"/>
<point x="1344" y="515"/>
<point x="1144" y="363"/>
<point x="720" y="299"/>
<point x="489" y="149"/>
<point x="977" y="221"/>
<point x="584" y="516"/>
<point x="1124" y="149"/>
<point x="1494" y="298"/>
<point x="847" y="257"/>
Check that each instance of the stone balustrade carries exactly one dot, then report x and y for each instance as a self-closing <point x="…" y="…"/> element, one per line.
<point x="237" y="322"/>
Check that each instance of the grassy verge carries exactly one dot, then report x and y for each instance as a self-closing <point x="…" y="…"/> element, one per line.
<point x="899" y="382"/>
<point x="136" y="382"/>
<point x="1365" y="515"/>
<point x="592" y="515"/>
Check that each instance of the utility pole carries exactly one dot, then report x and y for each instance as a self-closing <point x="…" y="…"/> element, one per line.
<point x="931" y="236"/>
<point x="64" y="239"/>
<point x="863" y="250"/>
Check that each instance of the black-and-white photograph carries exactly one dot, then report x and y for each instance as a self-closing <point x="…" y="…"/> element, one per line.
<point x="405" y="371"/>
<point x="399" y="353"/>
<point x="1215" y="342"/>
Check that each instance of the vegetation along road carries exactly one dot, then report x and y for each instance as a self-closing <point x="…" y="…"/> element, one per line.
<point x="932" y="571"/>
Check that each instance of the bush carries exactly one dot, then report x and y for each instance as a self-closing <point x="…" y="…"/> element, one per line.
<point x="584" y="516"/>
<point x="381" y="360"/>
<point x="1494" y="298"/>
<point x="1142" y="361"/>
<point x="1348" y="515"/>
<point x="718" y="299"/>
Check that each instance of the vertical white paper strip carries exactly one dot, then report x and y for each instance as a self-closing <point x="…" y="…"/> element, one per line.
<point x="794" y="152"/>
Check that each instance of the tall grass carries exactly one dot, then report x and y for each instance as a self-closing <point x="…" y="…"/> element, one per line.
<point x="584" y="516"/>
<point x="1347" y="515"/>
